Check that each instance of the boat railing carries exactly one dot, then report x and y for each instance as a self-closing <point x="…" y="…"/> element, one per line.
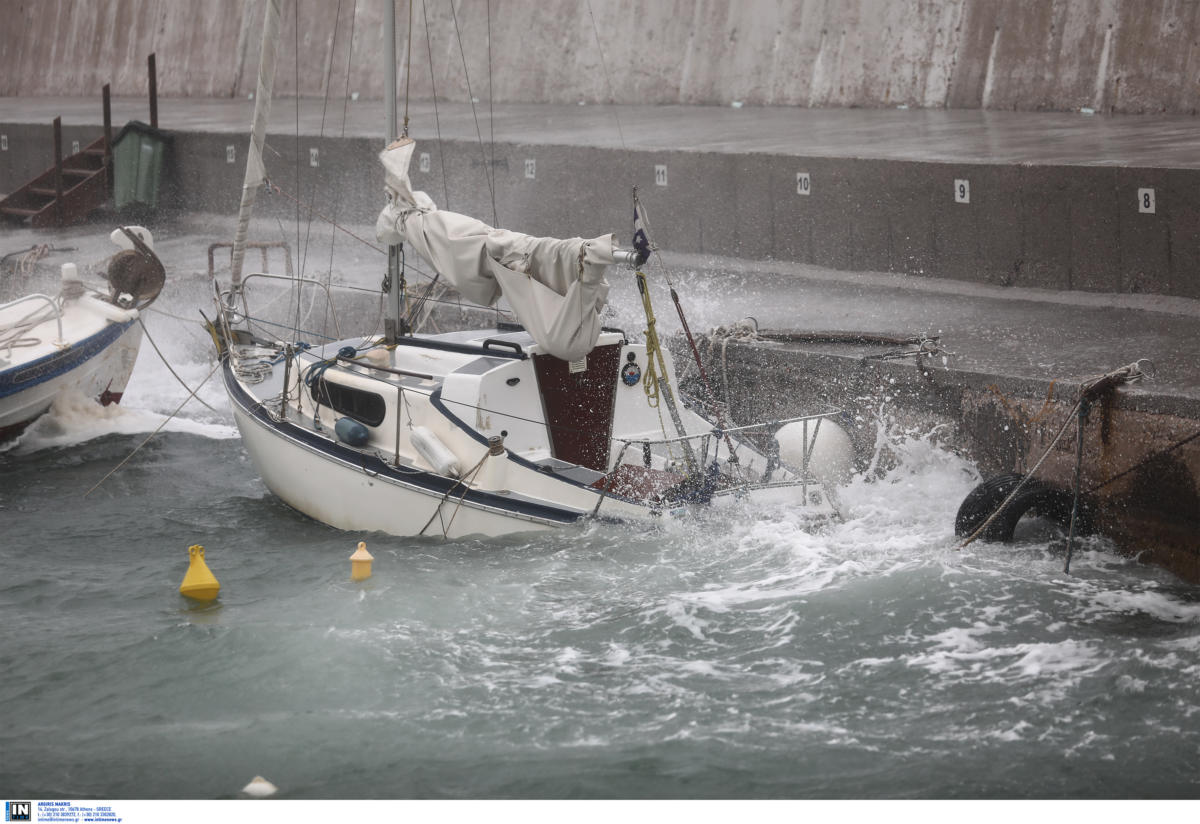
<point x="262" y="247"/>
<point x="295" y="281"/>
<point x="717" y="434"/>
<point x="51" y="302"/>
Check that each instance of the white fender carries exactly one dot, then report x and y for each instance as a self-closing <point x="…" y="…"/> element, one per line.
<point x="436" y="453"/>
<point x="122" y="240"/>
<point x="831" y="452"/>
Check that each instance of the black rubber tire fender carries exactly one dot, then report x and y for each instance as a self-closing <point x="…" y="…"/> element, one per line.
<point x="1034" y="496"/>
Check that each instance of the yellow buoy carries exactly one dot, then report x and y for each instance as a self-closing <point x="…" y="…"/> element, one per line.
<point x="199" y="582"/>
<point x="360" y="563"/>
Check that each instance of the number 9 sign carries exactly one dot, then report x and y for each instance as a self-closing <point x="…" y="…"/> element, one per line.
<point x="962" y="191"/>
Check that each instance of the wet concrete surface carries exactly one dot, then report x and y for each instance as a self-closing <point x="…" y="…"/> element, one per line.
<point x="923" y="135"/>
<point x="1031" y="333"/>
<point x="1025" y="334"/>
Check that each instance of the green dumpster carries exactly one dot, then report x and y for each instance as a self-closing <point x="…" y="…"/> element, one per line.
<point x="138" y="164"/>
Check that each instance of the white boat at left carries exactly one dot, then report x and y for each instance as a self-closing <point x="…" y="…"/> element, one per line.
<point x="81" y="340"/>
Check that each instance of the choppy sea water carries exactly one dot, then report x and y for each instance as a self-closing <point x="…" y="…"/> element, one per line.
<point x="740" y="657"/>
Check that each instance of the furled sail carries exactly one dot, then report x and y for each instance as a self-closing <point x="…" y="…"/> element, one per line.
<point x="556" y="288"/>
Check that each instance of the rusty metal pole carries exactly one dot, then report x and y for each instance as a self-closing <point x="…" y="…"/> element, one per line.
<point x="108" y="170"/>
<point x="153" y="92"/>
<point x="58" y="171"/>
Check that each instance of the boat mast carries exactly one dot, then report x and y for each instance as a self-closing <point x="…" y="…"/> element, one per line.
<point x="393" y="322"/>
<point x="256" y="173"/>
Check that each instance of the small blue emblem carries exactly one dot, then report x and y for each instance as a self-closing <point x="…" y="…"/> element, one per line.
<point x="631" y="373"/>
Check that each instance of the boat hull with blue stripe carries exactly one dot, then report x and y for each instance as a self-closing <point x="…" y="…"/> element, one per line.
<point x="473" y="433"/>
<point x="78" y="345"/>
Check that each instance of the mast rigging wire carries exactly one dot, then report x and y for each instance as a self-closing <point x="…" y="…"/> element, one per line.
<point x="436" y="118"/>
<point x="345" y="112"/>
<point x="478" y="134"/>
<point x="607" y="77"/>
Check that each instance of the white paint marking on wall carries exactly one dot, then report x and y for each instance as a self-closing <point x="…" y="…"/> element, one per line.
<point x="990" y="76"/>
<point x="1146" y="201"/>
<point x="946" y="44"/>
<point x="660" y="175"/>
<point x="230" y="154"/>
<point x="314" y="157"/>
<point x="423" y="162"/>
<point x="803" y="183"/>
<point x="1102" y="72"/>
<point x="962" y="191"/>
<point x="531" y="168"/>
<point x="816" y="79"/>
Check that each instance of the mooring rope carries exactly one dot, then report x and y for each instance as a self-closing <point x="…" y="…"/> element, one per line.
<point x="167" y="420"/>
<point x="167" y="364"/>
<point x="465" y="482"/>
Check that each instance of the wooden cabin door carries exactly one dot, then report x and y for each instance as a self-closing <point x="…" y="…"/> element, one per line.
<point x="579" y="405"/>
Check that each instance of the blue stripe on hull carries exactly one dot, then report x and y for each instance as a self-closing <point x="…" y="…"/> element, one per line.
<point x="28" y="375"/>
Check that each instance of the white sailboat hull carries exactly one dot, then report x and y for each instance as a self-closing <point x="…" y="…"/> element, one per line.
<point x="385" y="483"/>
<point x="355" y="493"/>
<point x="96" y="362"/>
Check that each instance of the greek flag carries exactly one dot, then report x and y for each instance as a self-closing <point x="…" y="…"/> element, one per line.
<point x="641" y="240"/>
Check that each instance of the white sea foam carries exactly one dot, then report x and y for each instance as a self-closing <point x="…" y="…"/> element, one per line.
<point x="74" y="419"/>
<point x="1155" y="604"/>
<point x="904" y="518"/>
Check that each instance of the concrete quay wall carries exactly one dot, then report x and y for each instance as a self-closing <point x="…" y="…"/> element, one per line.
<point x="1146" y="494"/>
<point x="1134" y="56"/>
<point x="1089" y="228"/>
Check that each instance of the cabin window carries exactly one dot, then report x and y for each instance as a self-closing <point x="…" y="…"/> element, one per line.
<point x="363" y="406"/>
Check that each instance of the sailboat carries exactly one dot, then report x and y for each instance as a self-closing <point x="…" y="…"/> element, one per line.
<point x="80" y="340"/>
<point x="535" y="424"/>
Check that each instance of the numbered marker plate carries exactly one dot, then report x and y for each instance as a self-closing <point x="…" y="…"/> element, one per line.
<point x="803" y="183"/>
<point x="962" y="191"/>
<point x="530" y="168"/>
<point x="1146" y="201"/>
<point x="423" y="162"/>
<point x="660" y="175"/>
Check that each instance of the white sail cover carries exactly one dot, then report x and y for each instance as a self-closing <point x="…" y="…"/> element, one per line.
<point x="556" y="287"/>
